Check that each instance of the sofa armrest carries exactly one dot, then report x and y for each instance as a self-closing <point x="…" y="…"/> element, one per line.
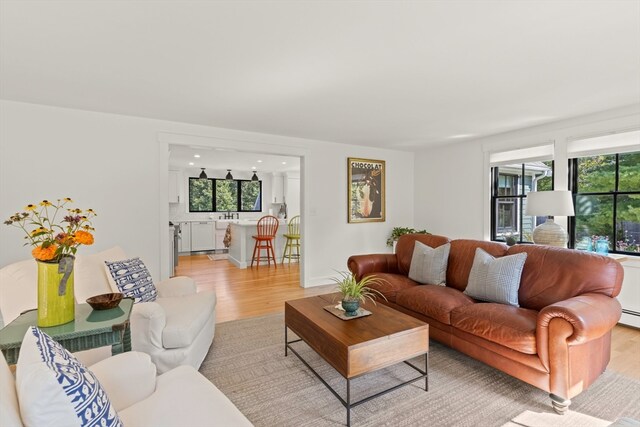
<point x="363" y="265"/>
<point x="572" y="322"/>
<point x="178" y="286"/>
<point x="127" y="378"/>
<point x="590" y="315"/>
<point x="148" y="320"/>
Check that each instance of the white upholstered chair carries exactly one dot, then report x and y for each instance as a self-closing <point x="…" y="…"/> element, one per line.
<point x="176" y="329"/>
<point x="179" y="397"/>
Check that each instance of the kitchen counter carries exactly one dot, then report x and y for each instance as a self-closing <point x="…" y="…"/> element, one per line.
<point x="241" y="249"/>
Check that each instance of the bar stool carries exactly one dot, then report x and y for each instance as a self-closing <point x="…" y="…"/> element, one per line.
<point x="267" y="228"/>
<point x="293" y="240"/>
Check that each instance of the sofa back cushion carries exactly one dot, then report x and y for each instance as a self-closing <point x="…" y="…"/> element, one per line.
<point x="90" y="275"/>
<point x="406" y="243"/>
<point x="461" y="258"/>
<point x="9" y="408"/>
<point x="553" y="274"/>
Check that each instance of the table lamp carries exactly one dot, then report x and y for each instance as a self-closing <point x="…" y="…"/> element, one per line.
<point x="550" y="204"/>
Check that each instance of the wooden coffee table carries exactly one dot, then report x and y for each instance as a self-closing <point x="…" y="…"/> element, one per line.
<point x="358" y="346"/>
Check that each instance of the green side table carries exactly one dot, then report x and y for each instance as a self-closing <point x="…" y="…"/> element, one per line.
<point x="90" y="329"/>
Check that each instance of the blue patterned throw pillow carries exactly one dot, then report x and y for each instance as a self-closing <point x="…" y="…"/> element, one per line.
<point x="80" y="387"/>
<point x="133" y="279"/>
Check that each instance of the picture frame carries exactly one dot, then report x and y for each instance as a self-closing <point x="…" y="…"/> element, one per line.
<point x="365" y="190"/>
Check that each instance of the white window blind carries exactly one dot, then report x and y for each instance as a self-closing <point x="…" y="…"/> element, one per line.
<point x="609" y="144"/>
<point x="522" y="155"/>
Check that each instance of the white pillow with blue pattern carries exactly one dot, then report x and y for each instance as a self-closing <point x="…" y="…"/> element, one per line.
<point x="132" y="278"/>
<point x="55" y="389"/>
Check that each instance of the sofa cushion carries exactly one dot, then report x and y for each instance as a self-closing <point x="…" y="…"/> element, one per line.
<point x="512" y="327"/>
<point x="390" y="284"/>
<point x="433" y="301"/>
<point x="463" y="251"/>
<point x="9" y="408"/>
<point x="429" y="265"/>
<point x="132" y="278"/>
<point x="55" y="389"/>
<point x="495" y="279"/>
<point x="557" y="274"/>
<point x="406" y="244"/>
<point x="186" y="317"/>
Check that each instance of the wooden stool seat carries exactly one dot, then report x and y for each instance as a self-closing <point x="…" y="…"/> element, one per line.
<point x="267" y="228"/>
<point x="293" y="240"/>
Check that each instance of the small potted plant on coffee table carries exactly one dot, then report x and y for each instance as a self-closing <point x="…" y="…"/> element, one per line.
<point x="356" y="291"/>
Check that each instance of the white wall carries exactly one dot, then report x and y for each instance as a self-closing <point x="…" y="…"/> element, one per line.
<point x="118" y="166"/>
<point x="452" y="183"/>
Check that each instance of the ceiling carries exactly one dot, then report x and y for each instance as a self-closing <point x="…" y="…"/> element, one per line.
<point x="390" y="74"/>
<point x="180" y="157"/>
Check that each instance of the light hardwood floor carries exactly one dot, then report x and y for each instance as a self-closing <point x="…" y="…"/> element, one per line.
<point x="263" y="290"/>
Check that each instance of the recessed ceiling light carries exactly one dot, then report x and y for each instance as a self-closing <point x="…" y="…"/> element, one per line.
<point x="197" y="156"/>
<point x="253" y="167"/>
<point x="284" y="163"/>
<point x="259" y="161"/>
<point x="462" y="135"/>
<point x="190" y="163"/>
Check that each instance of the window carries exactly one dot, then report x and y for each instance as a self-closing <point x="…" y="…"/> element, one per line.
<point x="510" y="185"/>
<point x="200" y="195"/>
<point x="607" y="197"/>
<point x="222" y="195"/>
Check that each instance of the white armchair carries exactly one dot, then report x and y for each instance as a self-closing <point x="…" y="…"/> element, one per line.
<point x="180" y="397"/>
<point x="176" y="329"/>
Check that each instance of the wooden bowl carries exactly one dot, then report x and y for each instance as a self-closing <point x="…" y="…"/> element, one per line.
<point x="104" y="301"/>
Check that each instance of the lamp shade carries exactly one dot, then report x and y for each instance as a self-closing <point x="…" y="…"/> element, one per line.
<point x="203" y="175"/>
<point x="549" y="203"/>
<point x="255" y="177"/>
<point x="229" y="176"/>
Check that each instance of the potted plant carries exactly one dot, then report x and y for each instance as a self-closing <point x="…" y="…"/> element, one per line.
<point x="356" y="291"/>
<point x="396" y="232"/>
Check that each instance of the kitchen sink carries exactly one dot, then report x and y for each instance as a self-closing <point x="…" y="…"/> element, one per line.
<point x="221" y="224"/>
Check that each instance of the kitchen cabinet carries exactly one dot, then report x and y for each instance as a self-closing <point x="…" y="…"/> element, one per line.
<point x="184" y="233"/>
<point x="277" y="189"/>
<point x="175" y="187"/>
<point x="203" y="236"/>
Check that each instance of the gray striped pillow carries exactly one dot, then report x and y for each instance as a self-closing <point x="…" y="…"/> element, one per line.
<point x="429" y="265"/>
<point x="495" y="279"/>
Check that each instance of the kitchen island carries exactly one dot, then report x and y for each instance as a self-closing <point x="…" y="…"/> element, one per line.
<point x="241" y="248"/>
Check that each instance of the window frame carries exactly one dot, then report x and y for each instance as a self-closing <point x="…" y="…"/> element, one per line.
<point x="214" y="206"/>
<point x="520" y="196"/>
<point x="573" y="187"/>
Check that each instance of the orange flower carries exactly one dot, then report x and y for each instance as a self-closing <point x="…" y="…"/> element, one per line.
<point x="44" y="254"/>
<point x="83" y="238"/>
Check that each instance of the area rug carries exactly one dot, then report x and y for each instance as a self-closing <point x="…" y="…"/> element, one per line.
<point x="546" y="419"/>
<point x="217" y="257"/>
<point x="247" y="363"/>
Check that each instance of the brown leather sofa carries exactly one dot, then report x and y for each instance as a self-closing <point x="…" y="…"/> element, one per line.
<point x="558" y="340"/>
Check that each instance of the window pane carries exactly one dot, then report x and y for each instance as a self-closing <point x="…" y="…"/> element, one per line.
<point x="250" y="194"/>
<point x="628" y="229"/>
<point x="629" y="169"/>
<point x="597" y="174"/>
<point x="509" y="181"/>
<point x="226" y="195"/>
<point x="542" y="173"/>
<point x="507" y="217"/>
<point x="594" y="218"/>
<point x="200" y="195"/>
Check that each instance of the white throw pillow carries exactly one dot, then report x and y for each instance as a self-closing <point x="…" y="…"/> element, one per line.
<point x="495" y="279"/>
<point x="54" y="389"/>
<point x="429" y="265"/>
<point x="132" y="278"/>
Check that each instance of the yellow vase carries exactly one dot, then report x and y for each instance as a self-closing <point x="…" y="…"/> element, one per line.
<point x="56" y="302"/>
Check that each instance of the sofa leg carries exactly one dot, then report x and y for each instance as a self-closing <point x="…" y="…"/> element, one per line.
<point x="560" y="405"/>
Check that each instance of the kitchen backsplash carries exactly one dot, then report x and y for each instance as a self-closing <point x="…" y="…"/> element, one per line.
<point x="177" y="212"/>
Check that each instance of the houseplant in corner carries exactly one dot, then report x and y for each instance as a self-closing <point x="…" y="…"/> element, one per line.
<point x="55" y="244"/>
<point x="396" y="232"/>
<point x="356" y="291"/>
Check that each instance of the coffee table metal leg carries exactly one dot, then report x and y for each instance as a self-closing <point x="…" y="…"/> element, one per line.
<point x="286" y="342"/>
<point x="426" y="369"/>
<point x="348" y="403"/>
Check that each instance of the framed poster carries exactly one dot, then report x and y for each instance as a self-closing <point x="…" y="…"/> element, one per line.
<point x="366" y="191"/>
